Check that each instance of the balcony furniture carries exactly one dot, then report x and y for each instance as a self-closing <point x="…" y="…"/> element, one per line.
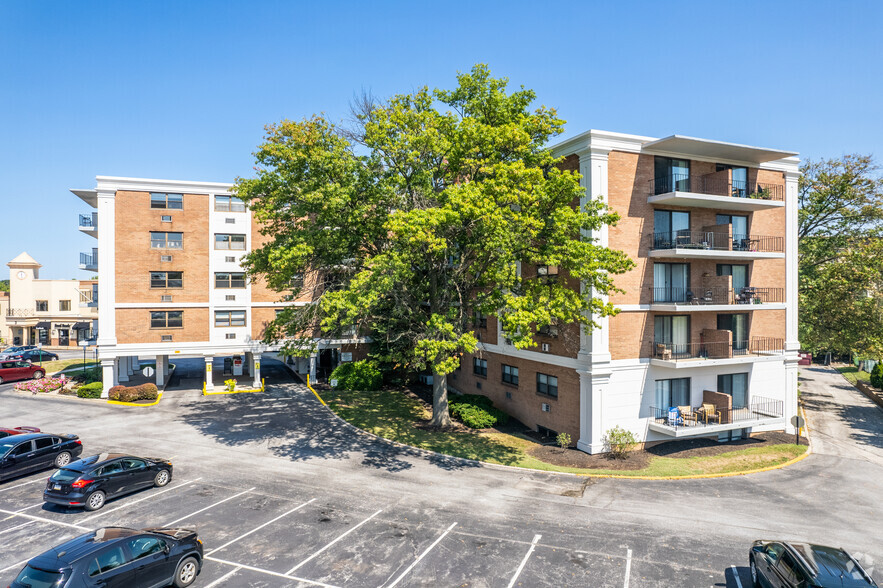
<point x="708" y="412"/>
<point x="662" y="351"/>
<point x="687" y="415"/>
<point x="747" y="295"/>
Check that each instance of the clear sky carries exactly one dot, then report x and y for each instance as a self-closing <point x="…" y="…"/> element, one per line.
<point x="181" y="90"/>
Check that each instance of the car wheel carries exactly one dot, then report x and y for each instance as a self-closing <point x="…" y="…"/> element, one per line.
<point x="753" y="567"/>
<point x="95" y="500"/>
<point x="62" y="459"/>
<point x="186" y="572"/>
<point x="162" y="478"/>
<point x="37" y="375"/>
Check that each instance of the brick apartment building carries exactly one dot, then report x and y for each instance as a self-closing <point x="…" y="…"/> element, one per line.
<point x="707" y="316"/>
<point x="173" y="285"/>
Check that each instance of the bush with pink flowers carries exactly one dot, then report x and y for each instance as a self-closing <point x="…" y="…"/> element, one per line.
<point x="42" y="385"/>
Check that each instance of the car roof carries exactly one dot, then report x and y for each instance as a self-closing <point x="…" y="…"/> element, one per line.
<point x="830" y="565"/>
<point x="95" y="461"/>
<point x="69" y="552"/>
<point x="29" y="436"/>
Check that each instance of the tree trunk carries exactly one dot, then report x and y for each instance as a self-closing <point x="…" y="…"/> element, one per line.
<point x="440" y="415"/>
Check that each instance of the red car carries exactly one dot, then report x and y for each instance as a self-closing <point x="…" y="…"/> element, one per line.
<point x="17" y="431"/>
<point x="16" y="369"/>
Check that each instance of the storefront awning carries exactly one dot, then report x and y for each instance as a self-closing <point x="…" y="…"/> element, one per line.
<point x="82" y="326"/>
<point x="42" y="325"/>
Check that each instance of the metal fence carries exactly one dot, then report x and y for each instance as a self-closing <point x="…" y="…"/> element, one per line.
<point x="718" y="350"/>
<point x="684" y="239"/>
<point x="716" y="295"/>
<point x="716" y="186"/>
<point x="759" y="408"/>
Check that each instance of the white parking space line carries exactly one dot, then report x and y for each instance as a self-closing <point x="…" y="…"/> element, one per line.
<point x="44" y="520"/>
<point x="18" y="526"/>
<point x="628" y="568"/>
<point x="24" y="509"/>
<point x="270" y="572"/>
<point x="421" y="556"/>
<point x="13" y="566"/>
<point x="292" y="570"/>
<point x="736" y="576"/>
<point x="226" y="576"/>
<point x="533" y="545"/>
<point x="148" y="497"/>
<point x="209" y="506"/>
<point x="23" y="484"/>
<point x="232" y="541"/>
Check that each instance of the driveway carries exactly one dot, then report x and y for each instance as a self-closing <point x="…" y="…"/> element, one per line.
<point x="283" y="494"/>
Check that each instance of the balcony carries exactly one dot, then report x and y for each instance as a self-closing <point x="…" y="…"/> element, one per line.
<point x="721" y="352"/>
<point x="715" y="191"/>
<point x="89" y="261"/>
<point x="715" y="245"/>
<point x="88" y="224"/>
<point x="88" y="299"/>
<point x="694" y="422"/>
<point x="679" y="299"/>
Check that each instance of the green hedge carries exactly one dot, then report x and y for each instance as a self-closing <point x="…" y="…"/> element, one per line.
<point x="92" y="390"/>
<point x="134" y="393"/>
<point x="877" y="375"/>
<point x="476" y="411"/>
<point x="90" y="375"/>
<point x="357" y="375"/>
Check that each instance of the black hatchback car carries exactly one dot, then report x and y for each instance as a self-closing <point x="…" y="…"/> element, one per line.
<point x="780" y="564"/>
<point x="117" y="557"/>
<point x="23" y="454"/>
<point x="92" y="480"/>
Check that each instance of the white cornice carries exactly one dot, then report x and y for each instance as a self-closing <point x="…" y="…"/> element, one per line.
<point x="113" y="184"/>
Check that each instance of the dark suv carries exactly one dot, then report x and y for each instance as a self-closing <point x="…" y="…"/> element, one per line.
<point x="23" y="454"/>
<point x="117" y="557"/>
<point x="780" y="564"/>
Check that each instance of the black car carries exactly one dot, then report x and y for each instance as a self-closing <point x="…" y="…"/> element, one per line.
<point x="780" y="564"/>
<point x="90" y="481"/>
<point x="23" y="454"/>
<point x="33" y="355"/>
<point x="15" y="350"/>
<point x="116" y="557"/>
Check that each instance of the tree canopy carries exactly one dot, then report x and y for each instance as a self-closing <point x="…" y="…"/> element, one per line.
<point x="422" y="217"/>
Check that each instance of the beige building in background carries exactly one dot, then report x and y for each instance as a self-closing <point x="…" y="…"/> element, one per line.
<point x="52" y="313"/>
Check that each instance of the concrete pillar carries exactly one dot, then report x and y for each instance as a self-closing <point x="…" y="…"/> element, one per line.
<point x="592" y="387"/>
<point x="314" y="364"/>
<point x="108" y="375"/>
<point x="130" y="364"/>
<point x="160" y="371"/>
<point x="136" y="364"/>
<point x="123" y="369"/>
<point x="247" y="364"/>
<point x="256" y="370"/>
<point x="209" y="374"/>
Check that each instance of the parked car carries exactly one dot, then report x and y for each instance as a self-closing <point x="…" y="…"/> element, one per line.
<point x="35" y="355"/>
<point x="18" y="369"/>
<point x="91" y="481"/>
<point x="781" y="564"/>
<point x="117" y="556"/>
<point x="10" y="351"/>
<point x="4" y="432"/>
<point x="30" y="452"/>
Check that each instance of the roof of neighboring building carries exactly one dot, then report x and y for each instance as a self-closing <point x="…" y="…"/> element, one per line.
<point x="24" y="259"/>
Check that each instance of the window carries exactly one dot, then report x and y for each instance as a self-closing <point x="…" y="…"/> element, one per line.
<point x="739" y="179"/>
<point x="229" y="318"/>
<point x="167" y="319"/>
<point x="161" y="240"/>
<point x="735" y="385"/>
<point x="111" y="469"/>
<point x="22" y="449"/>
<point x="479" y="366"/>
<point x="107" y="560"/>
<point x="64" y="305"/>
<point x="670" y="228"/>
<point x="671" y="281"/>
<point x="548" y="331"/>
<point x="547" y="385"/>
<point x="42" y="305"/>
<point x="43" y="443"/>
<point x="674" y="392"/>
<point x="479" y="319"/>
<point x="43" y="336"/>
<point x="131" y="463"/>
<point x="166" y="279"/>
<point x="166" y="218"/>
<point x="547" y="270"/>
<point x="740" y="229"/>
<point x="738" y="325"/>
<point x="739" y="273"/>
<point x="226" y="241"/>
<point x="673" y="332"/>
<point x="671" y="175"/>
<point x="144" y="546"/>
<point x="229" y="280"/>
<point x="229" y="204"/>
<point x="510" y="374"/>
<point x="791" y="572"/>
<point x="175" y="201"/>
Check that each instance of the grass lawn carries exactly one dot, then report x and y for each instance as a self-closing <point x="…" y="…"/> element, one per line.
<point x="396" y="416"/>
<point x="57" y="366"/>
<point x="853" y="374"/>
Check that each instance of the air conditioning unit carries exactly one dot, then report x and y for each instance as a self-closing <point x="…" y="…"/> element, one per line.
<point x="165" y="258"/>
<point x="166" y="338"/>
<point x="230" y="297"/>
<point x="545" y="347"/>
<point x="547" y="407"/>
<point x="426" y="379"/>
<point x="165" y="298"/>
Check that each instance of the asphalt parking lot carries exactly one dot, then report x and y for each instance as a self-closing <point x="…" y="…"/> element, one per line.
<point x="284" y="495"/>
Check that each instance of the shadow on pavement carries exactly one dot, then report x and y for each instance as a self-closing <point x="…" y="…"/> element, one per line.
<point x="865" y="421"/>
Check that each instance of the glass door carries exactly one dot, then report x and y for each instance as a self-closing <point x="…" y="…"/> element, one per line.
<point x="735" y="385"/>
<point x="668" y="227"/>
<point x="738" y="325"/>
<point x="740" y="182"/>
<point x="739" y="273"/>
<point x="671" y="175"/>
<point x="671" y="281"/>
<point x="673" y="332"/>
<point x="740" y="229"/>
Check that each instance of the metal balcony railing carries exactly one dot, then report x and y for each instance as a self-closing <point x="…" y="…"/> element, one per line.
<point x="756" y="346"/>
<point x="716" y="186"/>
<point x="19" y="312"/>
<point x="684" y="239"/>
<point x="759" y="408"/>
<point x="698" y="296"/>
<point x="86" y="220"/>
<point x="88" y="260"/>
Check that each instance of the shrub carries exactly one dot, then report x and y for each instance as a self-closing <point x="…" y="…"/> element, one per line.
<point x="877" y="375"/>
<point x="563" y="440"/>
<point x="476" y="411"/>
<point x="618" y="442"/>
<point x="230" y="384"/>
<point x="360" y="375"/>
<point x="42" y="385"/>
<point x="90" y="375"/>
<point x="92" y="390"/>
<point x="134" y="393"/>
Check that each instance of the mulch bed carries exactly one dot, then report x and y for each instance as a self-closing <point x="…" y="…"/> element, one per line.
<point x="574" y="458"/>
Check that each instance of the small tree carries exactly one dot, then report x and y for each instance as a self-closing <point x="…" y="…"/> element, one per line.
<point x="618" y="442"/>
<point x="563" y="440"/>
<point x="877" y="375"/>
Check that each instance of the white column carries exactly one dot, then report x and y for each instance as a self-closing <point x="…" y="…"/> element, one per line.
<point x="160" y="371"/>
<point x="209" y="375"/>
<point x="136" y="364"/>
<point x="792" y="343"/>
<point x="790" y="407"/>
<point x="247" y="364"/>
<point x="123" y="368"/>
<point x="593" y="387"/>
<point x="256" y="369"/>
<point x="314" y="363"/>
<point x="107" y="268"/>
<point x="108" y="375"/>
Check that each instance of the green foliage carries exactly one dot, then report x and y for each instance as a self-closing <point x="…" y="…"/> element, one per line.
<point x="877" y="375"/>
<point x="476" y="411"/>
<point x="4" y="285"/>
<point x="418" y="217"/>
<point x="91" y="390"/>
<point x="133" y="393"/>
<point x="618" y="442"/>
<point x="563" y="440"/>
<point x="89" y="376"/>
<point x="230" y="384"/>
<point x="357" y="375"/>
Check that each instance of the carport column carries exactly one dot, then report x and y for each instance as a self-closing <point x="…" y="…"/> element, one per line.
<point x="209" y="376"/>
<point x="256" y="369"/>
<point x="790" y="406"/>
<point x="247" y="364"/>
<point x="123" y="369"/>
<point x="108" y="375"/>
<point x="136" y="364"/>
<point x="592" y="387"/>
<point x="792" y="344"/>
<point x="314" y="361"/>
<point x="160" y="372"/>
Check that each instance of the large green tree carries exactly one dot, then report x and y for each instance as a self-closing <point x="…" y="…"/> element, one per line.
<point x="841" y="256"/>
<point x="421" y="217"/>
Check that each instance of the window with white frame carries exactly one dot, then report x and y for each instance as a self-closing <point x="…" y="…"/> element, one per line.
<point x="229" y="318"/>
<point x="229" y="241"/>
<point x="165" y="240"/>
<point x="229" y="280"/>
<point x="64" y="305"/>
<point x="229" y="204"/>
<point x="171" y="201"/>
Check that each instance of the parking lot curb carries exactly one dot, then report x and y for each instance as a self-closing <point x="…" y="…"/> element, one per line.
<point x="205" y="391"/>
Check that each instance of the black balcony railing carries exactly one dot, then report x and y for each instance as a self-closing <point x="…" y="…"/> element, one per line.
<point x="684" y="239"/>
<point x="716" y="186"/>
<point x="759" y="408"/>
<point x="746" y="295"/>
<point x="86" y="220"/>
<point x="756" y="346"/>
<point x="87" y="260"/>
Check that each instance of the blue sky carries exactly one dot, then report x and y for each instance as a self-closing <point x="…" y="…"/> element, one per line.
<point x="182" y="90"/>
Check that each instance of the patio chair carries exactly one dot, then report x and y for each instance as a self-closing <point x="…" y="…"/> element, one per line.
<point x="709" y="412"/>
<point x="662" y="351"/>
<point x="687" y="414"/>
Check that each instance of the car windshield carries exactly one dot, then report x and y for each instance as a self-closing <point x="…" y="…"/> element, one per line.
<point x="6" y="445"/>
<point x="64" y="475"/>
<point x="36" y="578"/>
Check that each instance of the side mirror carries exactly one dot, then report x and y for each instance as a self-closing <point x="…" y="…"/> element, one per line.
<point x="166" y="549"/>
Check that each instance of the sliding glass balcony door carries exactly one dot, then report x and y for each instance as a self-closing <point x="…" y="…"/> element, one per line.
<point x="673" y="332"/>
<point x="671" y="282"/>
<point x="671" y="175"/>
<point x="668" y="225"/>
<point x="738" y="325"/>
